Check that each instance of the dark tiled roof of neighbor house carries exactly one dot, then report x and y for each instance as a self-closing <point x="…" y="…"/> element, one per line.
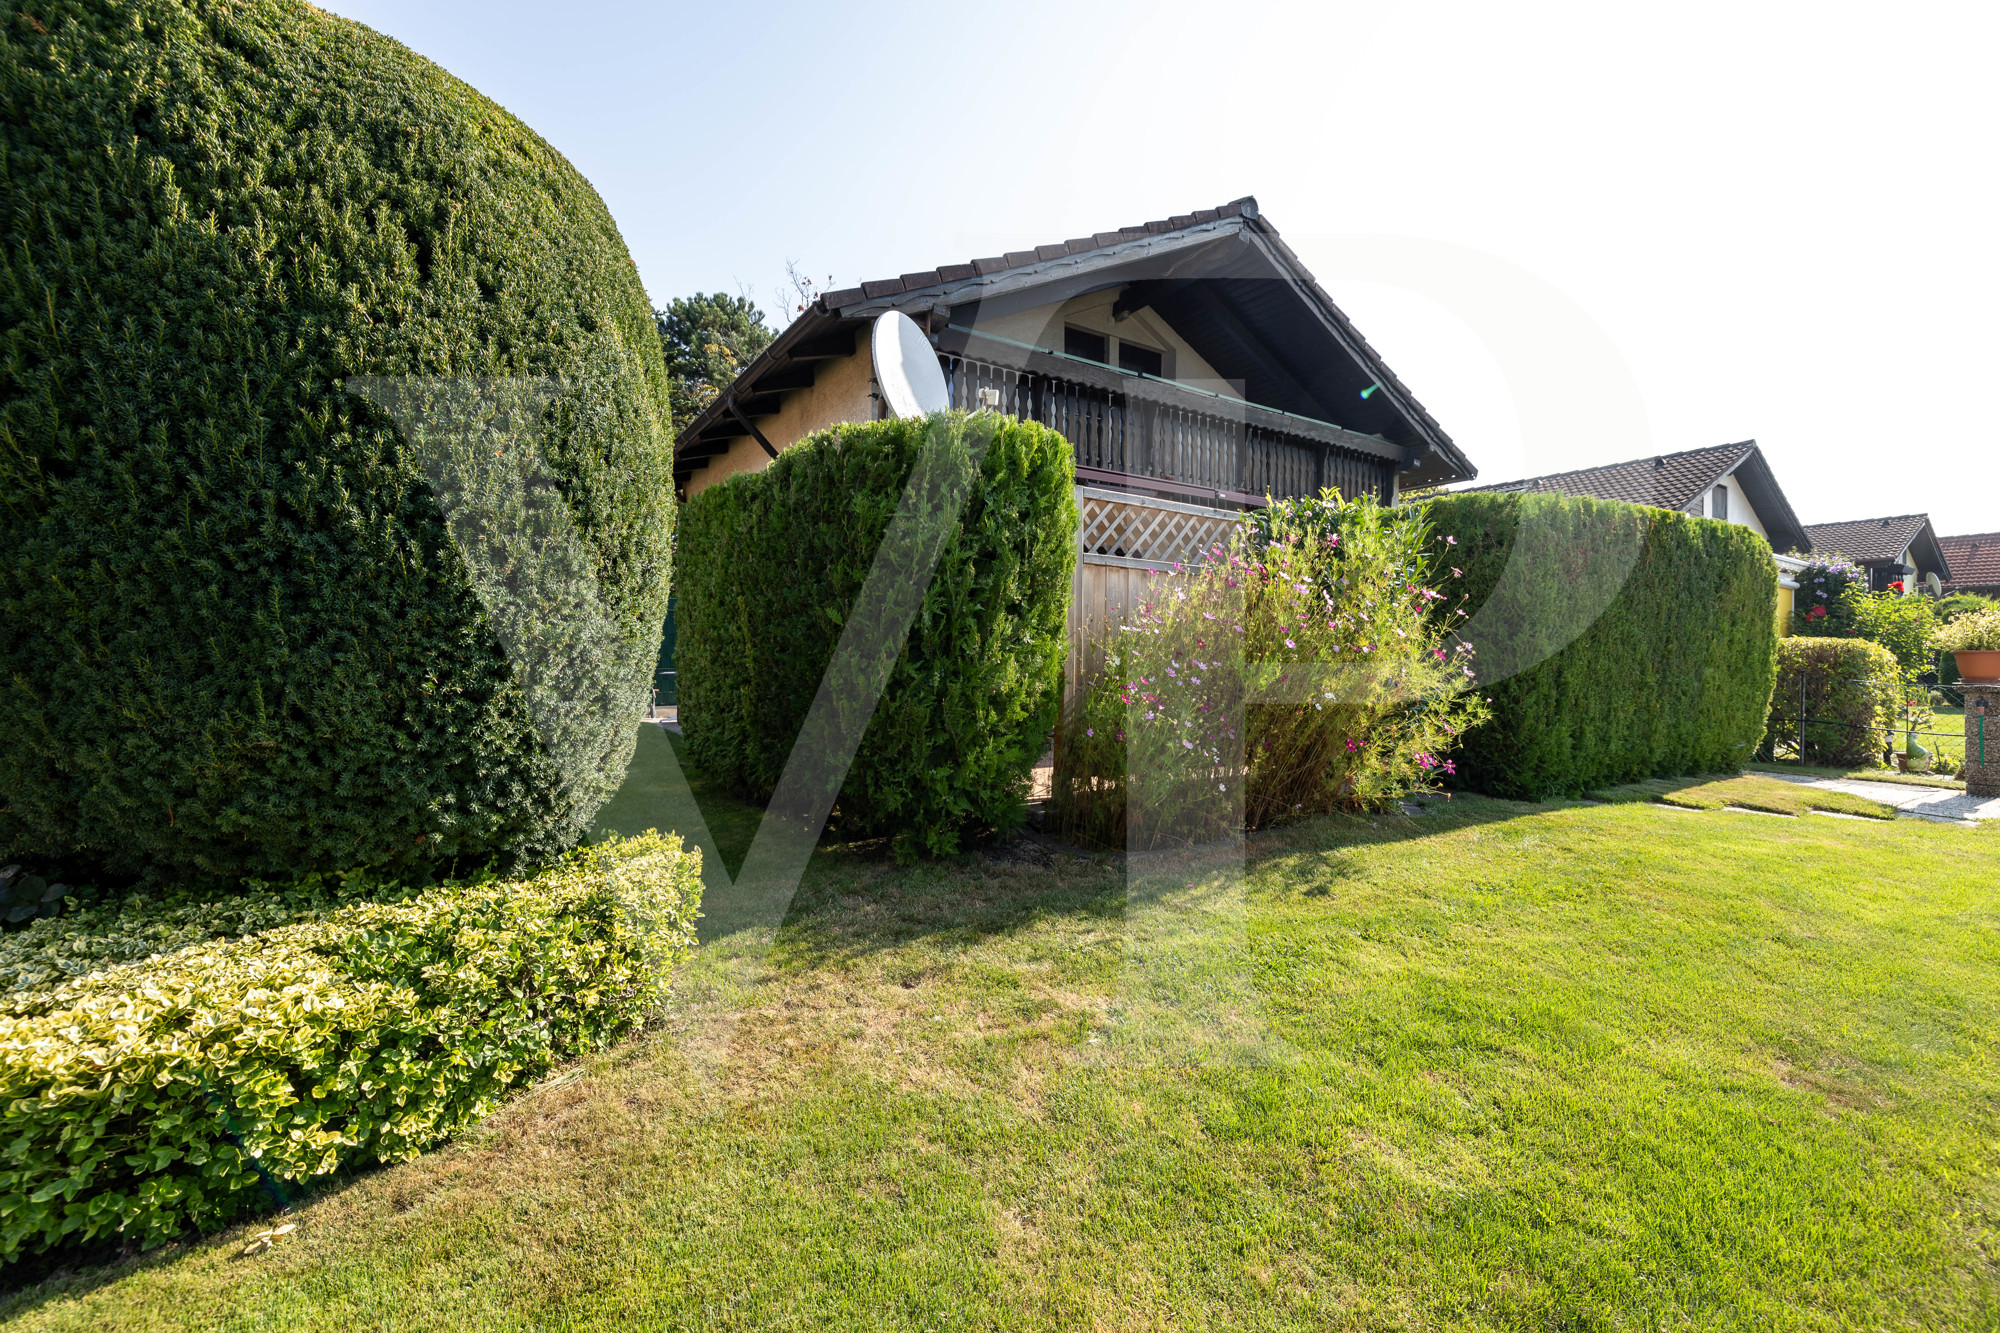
<point x="1669" y="481"/>
<point x="1975" y="560"/>
<point x="1868" y="540"/>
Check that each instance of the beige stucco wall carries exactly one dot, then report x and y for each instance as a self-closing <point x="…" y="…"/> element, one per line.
<point x="1042" y="327"/>
<point x="842" y="390"/>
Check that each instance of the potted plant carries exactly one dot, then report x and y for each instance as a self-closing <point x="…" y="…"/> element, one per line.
<point x="1974" y="640"/>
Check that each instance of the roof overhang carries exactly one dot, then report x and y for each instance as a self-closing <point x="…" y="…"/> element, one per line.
<point x="1774" y="511"/>
<point x="1229" y="284"/>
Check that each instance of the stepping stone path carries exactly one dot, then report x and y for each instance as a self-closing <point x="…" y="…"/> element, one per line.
<point x="1938" y="803"/>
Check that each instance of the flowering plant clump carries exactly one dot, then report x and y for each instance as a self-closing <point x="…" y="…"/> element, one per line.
<point x="1829" y="598"/>
<point x="1975" y="631"/>
<point x="1295" y="670"/>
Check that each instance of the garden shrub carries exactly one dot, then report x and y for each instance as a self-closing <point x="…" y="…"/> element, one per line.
<point x="1673" y="678"/>
<point x="1850" y="693"/>
<point x="1297" y="666"/>
<point x="235" y="635"/>
<point x="1962" y="603"/>
<point x="167" y="1065"/>
<point x="1906" y="626"/>
<point x="771" y="563"/>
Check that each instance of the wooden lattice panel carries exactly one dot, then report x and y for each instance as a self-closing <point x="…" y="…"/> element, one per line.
<point x="1158" y="531"/>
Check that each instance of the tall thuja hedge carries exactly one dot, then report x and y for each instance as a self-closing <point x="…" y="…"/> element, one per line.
<point x="235" y="636"/>
<point x="771" y="564"/>
<point x="1673" y="676"/>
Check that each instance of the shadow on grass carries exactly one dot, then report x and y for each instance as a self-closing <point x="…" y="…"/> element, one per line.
<point x="855" y="902"/>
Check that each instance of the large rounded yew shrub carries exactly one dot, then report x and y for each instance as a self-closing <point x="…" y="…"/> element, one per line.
<point x="235" y="634"/>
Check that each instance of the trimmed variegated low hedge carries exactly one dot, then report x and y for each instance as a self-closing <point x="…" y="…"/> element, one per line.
<point x="142" y="1096"/>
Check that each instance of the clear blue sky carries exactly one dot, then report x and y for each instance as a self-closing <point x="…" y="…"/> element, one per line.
<point x="1781" y="216"/>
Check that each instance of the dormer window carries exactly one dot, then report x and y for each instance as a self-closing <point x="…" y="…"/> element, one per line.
<point x="1718" y="503"/>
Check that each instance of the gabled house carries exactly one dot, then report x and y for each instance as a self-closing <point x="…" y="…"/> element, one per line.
<point x="1903" y="549"/>
<point x="1731" y="482"/>
<point x="1192" y="359"/>
<point x="1974" y="561"/>
<point x="1728" y="482"/>
<point x="1193" y="364"/>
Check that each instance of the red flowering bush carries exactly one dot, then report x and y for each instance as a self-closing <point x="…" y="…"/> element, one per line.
<point x="1295" y="670"/>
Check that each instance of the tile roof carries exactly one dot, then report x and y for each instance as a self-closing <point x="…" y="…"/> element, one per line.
<point x="1868" y="540"/>
<point x="842" y="301"/>
<point x="980" y="268"/>
<point x="1670" y="481"/>
<point x="1974" y="560"/>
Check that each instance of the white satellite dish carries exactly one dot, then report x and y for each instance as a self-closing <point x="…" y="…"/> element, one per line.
<point x="906" y="367"/>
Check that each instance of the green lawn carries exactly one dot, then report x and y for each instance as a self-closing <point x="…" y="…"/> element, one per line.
<point x="1561" y="1067"/>
<point x="1747" y="791"/>
<point x="1950" y="722"/>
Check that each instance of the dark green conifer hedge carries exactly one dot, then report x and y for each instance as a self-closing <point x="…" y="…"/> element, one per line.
<point x="771" y="564"/>
<point x="234" y="634"/>
<point x="1674" y="677"/>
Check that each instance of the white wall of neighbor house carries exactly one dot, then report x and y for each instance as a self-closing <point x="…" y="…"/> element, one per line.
<point x="1042" y="326"/>
<point x="842" y="390"/>
<point x="1740" y="510"/>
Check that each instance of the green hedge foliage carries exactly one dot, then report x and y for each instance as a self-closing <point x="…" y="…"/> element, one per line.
<point x="1906" y="626"/>
<point x="1848" y="692"/>
<point x="168" y="1065"/>
<point x="235" y="636"/>
<point x="771" y="563"/>
<point x="1673" y="678"/>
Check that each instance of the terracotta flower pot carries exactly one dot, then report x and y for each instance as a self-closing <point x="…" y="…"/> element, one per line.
<point x="1979" y="665"/>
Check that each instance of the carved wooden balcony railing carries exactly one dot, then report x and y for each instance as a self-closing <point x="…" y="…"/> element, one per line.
<point x="1142" y="432"/>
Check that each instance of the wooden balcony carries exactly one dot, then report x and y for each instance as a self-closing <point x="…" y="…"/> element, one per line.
<point x="1143" y="433"/>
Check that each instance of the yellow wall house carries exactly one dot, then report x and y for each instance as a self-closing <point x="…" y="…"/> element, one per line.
<point x="1193" y="363"/>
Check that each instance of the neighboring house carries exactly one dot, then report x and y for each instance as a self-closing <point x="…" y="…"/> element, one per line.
<point x="1974" y="561"/>
<point x="1902" y="549"/>
<point x="1194" y="365"/>
<point x="1729" y="482"/>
